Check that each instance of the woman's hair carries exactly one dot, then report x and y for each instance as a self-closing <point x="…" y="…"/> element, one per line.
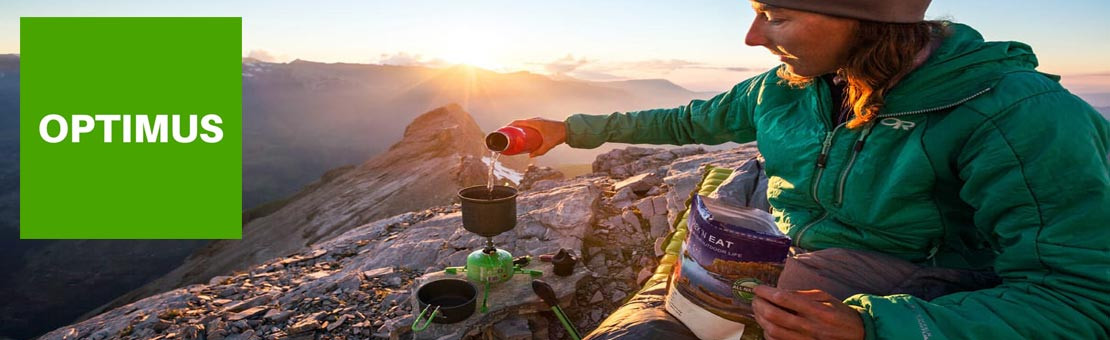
<point x="881" y="55"/>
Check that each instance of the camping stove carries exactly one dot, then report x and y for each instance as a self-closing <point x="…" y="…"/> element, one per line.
<point x="488" y="213"/>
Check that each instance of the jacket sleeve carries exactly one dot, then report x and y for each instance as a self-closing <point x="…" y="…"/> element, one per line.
<point x="1038" y="177"/>
<point x="726" y="117"/>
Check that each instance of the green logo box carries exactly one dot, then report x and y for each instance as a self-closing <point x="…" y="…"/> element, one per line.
<point x="107" y="106"/>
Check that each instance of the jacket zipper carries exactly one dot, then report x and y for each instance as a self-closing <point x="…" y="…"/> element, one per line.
<point x="938" y="108"/>
<point x="822" y="159"/>
<point x="848" y="168"/>
<point x="798" y="240"/>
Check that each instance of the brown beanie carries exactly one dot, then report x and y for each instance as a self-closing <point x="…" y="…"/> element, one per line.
<point x="895" y="11"/>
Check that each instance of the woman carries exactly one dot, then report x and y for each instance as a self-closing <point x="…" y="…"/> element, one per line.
<point x="918" y="141"/>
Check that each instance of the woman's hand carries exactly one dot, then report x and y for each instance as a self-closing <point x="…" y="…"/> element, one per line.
<point x="554" y="133"/>
<point x="804" y="314"/>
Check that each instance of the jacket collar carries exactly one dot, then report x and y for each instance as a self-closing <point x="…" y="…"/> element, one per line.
<point x="960" y="68"/>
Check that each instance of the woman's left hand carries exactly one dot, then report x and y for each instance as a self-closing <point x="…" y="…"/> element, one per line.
<point x="804" y="314"/>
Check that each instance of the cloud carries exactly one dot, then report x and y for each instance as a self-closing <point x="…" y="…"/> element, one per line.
<point x="663" y="66"/>
<point x="565" y="65"/>
<point x="406" y="59"/>
<point x="666" y="66"/>
<point x="596" y="75"/>
<point x="739" y="69"/>
<point x="267" y="56"/>
<point x="592" y="69"/>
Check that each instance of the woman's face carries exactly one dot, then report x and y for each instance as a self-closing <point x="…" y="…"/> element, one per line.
<point x="810" y="44"/>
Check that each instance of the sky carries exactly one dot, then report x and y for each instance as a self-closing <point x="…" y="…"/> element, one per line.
<point x="696" y="44"/>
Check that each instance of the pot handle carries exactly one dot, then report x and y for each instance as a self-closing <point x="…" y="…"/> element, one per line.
<point x="416" y="328"/>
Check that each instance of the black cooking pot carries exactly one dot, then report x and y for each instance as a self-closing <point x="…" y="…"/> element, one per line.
<point x="488" y="213"/>
<point x="448" y="301"/>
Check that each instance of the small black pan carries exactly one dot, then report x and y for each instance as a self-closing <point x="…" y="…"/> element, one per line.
<point x="450" y="301"/>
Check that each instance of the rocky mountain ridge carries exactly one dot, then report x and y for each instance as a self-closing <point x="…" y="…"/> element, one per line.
<point x="358" y="283"/>
<point x="440" y="151"/>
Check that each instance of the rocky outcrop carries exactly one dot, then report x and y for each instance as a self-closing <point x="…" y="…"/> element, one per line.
<point x="539" y="177"/>
<point x="359" y="283"/>
<point x="439" y="153"/>
<point x="622" y="163"/>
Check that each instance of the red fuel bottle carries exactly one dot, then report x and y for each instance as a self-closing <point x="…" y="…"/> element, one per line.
<point x="512" y="140"/>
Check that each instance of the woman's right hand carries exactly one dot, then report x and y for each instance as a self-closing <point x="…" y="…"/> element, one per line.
<point x="554" y="133"/>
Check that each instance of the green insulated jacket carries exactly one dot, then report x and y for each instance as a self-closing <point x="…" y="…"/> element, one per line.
<point x="977" y="161"/>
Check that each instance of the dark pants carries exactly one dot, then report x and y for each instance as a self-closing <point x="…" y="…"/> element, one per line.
<point x="840" y="272"/>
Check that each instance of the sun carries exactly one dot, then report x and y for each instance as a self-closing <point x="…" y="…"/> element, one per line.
<point x="477" y="49"/>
